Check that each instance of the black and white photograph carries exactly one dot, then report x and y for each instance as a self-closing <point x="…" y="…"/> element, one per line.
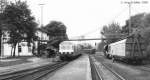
<point x="74" y="40"/>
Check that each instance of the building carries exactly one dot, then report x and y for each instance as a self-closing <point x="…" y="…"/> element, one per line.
<point x="22" y="48"/>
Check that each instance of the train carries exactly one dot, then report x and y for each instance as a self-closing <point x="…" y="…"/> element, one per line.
<point x="69" y="50"/>
<point x="131" y="49"/>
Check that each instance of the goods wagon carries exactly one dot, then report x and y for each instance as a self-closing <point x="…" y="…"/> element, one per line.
<point x="69" y="50"/>
<point x="131" y="49"/>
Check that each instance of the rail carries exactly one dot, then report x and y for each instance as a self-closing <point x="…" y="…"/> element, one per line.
<point x="98" y="72"/>
<point x="114" y="72"/>
<point x="33" y="74"/>
<point x="94" y="71"/>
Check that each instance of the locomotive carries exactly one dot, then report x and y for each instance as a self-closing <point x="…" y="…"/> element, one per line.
<point x="68" y="50"/>
<point x="132" y="49"/>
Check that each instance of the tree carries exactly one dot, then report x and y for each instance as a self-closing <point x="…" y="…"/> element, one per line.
<point x="112" y="32"/>
<point x="3" y="3"/>
<point x="56" y="28"/>
<point x="101" y="46"/>
<point x="146" y="20"/>
<point x="145" y="32"/>
<point x="21" y="25"/>
<point x="136" y="23"/>
<point x="141" y="23"/>
<point x="57" y="32"/>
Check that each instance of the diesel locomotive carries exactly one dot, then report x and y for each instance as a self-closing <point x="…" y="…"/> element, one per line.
<point x="69" y="50"/>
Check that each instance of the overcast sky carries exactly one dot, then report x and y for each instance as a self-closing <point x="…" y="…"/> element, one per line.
<point x="84" y="17"/>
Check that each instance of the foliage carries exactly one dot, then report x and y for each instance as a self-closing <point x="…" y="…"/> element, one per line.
<point x="137" y="22"/>
<point x="112" y="32"/>
<point x="140" y="24"/>
<point x="145" y="32"/>
<point x="2" y="7"/>
<point x="56" y="28"/>
<point x="101" y="46"/>
<point x="21" y="24"/>
<point x="146" y="20"/>
<point x="57" y="32"/>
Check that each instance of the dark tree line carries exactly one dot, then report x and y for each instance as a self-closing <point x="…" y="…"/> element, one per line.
<point x="111" y="32"/>
<point x="140" y="23"/>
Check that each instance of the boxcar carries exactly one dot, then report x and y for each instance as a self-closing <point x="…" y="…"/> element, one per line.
<point x="131" y="49"/>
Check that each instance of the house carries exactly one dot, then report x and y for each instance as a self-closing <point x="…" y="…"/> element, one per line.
<point x="22" y="48"/>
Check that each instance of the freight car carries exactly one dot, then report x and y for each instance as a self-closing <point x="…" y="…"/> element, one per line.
<point x="69" y="50"/>
<point x="132" y="49"/>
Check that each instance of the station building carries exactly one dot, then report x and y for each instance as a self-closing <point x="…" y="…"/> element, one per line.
<point x="22" y="48"/>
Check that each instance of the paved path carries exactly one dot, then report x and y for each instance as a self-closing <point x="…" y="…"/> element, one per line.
<point x="76" y="70"/>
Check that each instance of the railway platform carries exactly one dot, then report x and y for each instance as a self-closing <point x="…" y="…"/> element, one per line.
<point x="78" y="69"/>
<point x="32" y="63"/>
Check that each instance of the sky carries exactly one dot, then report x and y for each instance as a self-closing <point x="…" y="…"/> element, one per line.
<point x="85" y="17"/>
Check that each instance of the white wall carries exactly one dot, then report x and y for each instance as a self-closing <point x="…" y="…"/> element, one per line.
<point x="6" y="50"/>
<point x="25" y="51"/>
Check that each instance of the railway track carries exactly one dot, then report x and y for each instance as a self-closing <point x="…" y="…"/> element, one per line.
<point x="94" y="71"/>
<point x="100" y="74"/>
<point x="33" y="74"/>
<point x="143" y="68"/>
<point x="139" y="67"/>
<point x="114" y="72"/>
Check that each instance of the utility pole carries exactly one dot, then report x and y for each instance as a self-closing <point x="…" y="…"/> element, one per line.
<point x="41" y="5"/>
<point x="129" y="18"/>
<point x="129" y="4"/>
<point x="41" y="24"/>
